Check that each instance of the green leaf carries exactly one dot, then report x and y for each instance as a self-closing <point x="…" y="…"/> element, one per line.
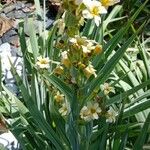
<point x="51" y="37"/>
<point x="23" y="46"/>
<point x="33" y="39"/>
<point x="0" y="75"/>
<point x="139" y="107"/>
<point x="104" y="73"/>
<point x="115" y="40"/>
<point x="58" y="83"/>
<point x="37" y="115"/>
<point x="125" y="94"/>
<point x="142" y="136"/>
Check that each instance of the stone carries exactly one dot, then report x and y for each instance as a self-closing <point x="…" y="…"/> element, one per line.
<point x="16" y="52"/>
<point x="8" y="141"/>
<point x="26" y="10"/>
<point x="19" y="14"/>
<point x="8" y="9"/>
<point x="11" y="32"/>
<point x="3" y="15"/>
<point x="49" y="23"/>
<point x="12" y="87"/>
<point x="5" y="53"/>
<point x="15" y="41"/>
<point x="4" y="48"/>
<point x="29" y="5"/>
<point x="19" y="5"/>
<point x="8" y="36"/>
<point x="0" y="41"/>
<point x="11" y="14"/>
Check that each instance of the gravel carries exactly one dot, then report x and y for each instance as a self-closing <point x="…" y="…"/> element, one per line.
<point x="8" y="141"/>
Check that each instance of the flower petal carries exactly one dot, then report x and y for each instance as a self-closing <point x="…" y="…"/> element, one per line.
<point x="87" y="14"/>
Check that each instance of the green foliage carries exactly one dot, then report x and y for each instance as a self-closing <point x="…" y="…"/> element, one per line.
<point x="36" y="119"/>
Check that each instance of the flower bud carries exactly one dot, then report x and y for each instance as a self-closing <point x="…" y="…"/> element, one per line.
<point x="98" y="49"/>
<point x="59" y="70"/>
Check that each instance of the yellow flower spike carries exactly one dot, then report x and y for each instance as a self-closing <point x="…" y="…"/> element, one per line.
<point x="65" y="59"/>
<point x="81" y="21"/>
<point x="90" y="112"/>
<point x="108" y="3"/>
<point x="89" y="70"/>
<point x="106" y="88"/>
<point x="81" y="65"/>
<point x="60" y="44"/>
<point x="81" y="40"/>
<point x="66" y="62"/>
<point x="98" y="49"/>
<point x="59" y="97"/>
<point x="88" y="47"/>
<point x="59" y="70"/>
<point x="64" y="110"/>
<point x="111" y="116"/>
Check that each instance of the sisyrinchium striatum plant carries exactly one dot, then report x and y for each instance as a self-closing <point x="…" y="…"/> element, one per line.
<point x="81" y="88"/>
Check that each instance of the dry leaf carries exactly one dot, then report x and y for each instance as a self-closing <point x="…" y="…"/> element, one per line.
<point x="55" y="3"/>
<point x="5" y="25"/>
<point x="3" y="127"/>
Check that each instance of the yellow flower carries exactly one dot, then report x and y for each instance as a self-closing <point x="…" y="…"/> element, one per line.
<point x="65" y="59"/>
<point x="93" y="11"/>
<point x="89" y="70"/>
<point x="88" y="47"/>
<point x="59" y="97"/>
<point x="98" y="49"/>
<point x="90" y="112"/>
<point x="108" y="3"/>
<point x="43" y="63"/>
<point x="106" y="88"/>
<point x="59" y="70"/>
<point x="81" y="65"/>
<point x="64" y="110"/>
<point x="60" y="24"/>
<point x="110" y="116"/>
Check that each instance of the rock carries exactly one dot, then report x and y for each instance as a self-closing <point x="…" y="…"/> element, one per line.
<point x="19" y="14"/>
<point x="5" y="53"/>
<point x="4" y="48"/>
<point x="11" y="14"/>
<point x="3" y="14"/>
<point x="12" y="87"/>
<point x="19" y="5"/>
<point x="8" y="141"/>
<point x="49" y="23"/>
<point x="9" y="77"/>
<point x="8" y="36"/>
<point x="0" y="41"/>
<point x="29" y="5"/>
<point x="8" y="9"/>
<point x="26" y="10"/>
<point x="15" y="41"/>
<point x="16" y="52"/>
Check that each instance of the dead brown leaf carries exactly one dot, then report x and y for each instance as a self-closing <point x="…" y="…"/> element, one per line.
<point x="55" y="2"/>
<point x="3" y="127"/>
<point x="5" y="25"/>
